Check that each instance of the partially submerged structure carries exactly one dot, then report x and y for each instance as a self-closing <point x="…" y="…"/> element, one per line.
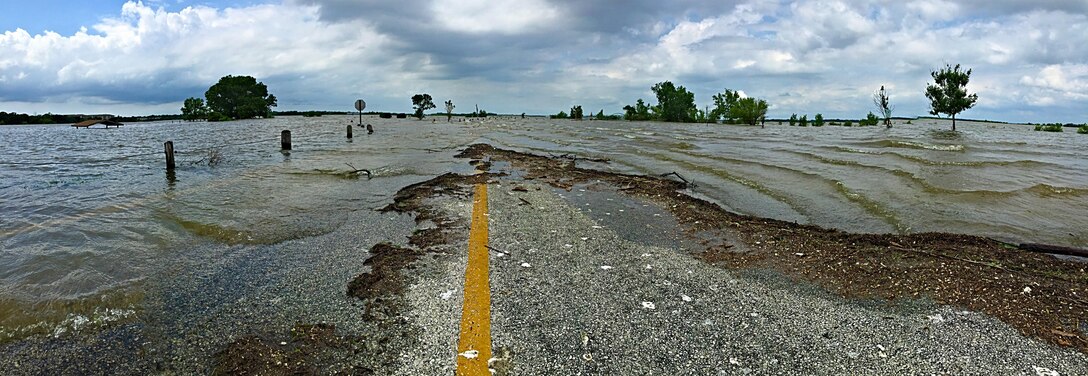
<point x="89" y="123"/>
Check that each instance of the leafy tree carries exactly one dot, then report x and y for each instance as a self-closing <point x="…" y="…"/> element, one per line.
<point x="869" y="120"/>
<point x="674" y="103"/>
<point x="640" y="111"/>
<point x="880" y="100"/>
<point x="576" y="113"/>
<point x="560" y="115"/>
<point x="748" y="110"/>
<point x="818" y="121"/>
<point x="722" y="103"/>
<point x="600" y="115"/>
<point x="240" y="97"/>
<point x="449" y="110"/>
<point x="948" y="93"/>
<point x="700" y="116"/>
<point x="194" y="109"/>
<point x="422" y="102"/>
<point x="793" y="120"/>
<point x="804" y="121"/>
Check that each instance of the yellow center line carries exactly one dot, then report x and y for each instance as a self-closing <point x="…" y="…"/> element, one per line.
<point x="474" y="346"/>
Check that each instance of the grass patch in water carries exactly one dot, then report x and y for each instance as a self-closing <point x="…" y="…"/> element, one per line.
<point x="1048" y="127"/>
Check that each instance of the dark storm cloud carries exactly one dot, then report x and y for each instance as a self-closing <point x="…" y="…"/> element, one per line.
<point x="584" y="31"/>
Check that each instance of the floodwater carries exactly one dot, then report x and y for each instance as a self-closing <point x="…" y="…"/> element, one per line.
<point x="88" y="216"/>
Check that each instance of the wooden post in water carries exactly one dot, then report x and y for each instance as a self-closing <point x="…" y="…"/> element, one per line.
<point x="169" y="148"/>
<point x="285" y="140"/>
<point x="349" y="131"/>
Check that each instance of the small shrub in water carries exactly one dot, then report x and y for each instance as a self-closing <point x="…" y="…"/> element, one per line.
<point x="1056" y="127"/>
<point x="1083" y="129"/>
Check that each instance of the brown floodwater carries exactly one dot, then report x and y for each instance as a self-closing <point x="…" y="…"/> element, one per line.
<point x="87" y="217"/>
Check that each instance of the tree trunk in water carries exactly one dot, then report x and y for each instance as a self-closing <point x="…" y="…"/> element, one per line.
<point x="953" y="122"/>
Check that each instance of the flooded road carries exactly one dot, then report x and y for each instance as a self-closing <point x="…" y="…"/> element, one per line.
<point x="89" y="217"/>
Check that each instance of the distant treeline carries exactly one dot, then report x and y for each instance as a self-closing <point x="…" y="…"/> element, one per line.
<point x="14" y="118"/>
<point x="130" y="119"/>
<point x="309" y="113"/>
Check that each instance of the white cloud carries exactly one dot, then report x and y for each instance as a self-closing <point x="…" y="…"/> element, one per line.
<point x="190" y="48"/>
<point x="482" y="16"/>
<point x="540" y="56"/>
<point x="1070" y="80"/>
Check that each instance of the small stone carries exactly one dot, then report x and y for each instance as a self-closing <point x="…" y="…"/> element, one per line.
<point x="1043" y="371"/>
<point x="606" y="267"/>
<point x="470" y="354"/>
<point x="447" y="295"/>
<point x="525" y="265"/>
<point x="685" y="298"/>
<point x="1027" y="290"/>
<point x="852" y="355"/>
<point x="648" y="305"/>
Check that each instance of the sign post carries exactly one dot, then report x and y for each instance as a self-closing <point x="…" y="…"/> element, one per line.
<point x="360" y="105"/>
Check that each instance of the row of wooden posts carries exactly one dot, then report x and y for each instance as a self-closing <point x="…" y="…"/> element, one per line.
<point x="285" y="144"/>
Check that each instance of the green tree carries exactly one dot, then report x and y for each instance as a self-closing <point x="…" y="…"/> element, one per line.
<point x="818" y="121"/>
<point x="793" y="120"/>
<point x="948" y="93"/>
<point x="640" y="111"/>
<point x="194" y="109"/>
<point x="576" y="112"/>
<point x="422" y="102"/>
<point x="560" y="115"/>
<point x="674" y="103"/>
<point x="240" y="97"/>
<point x="722" y="103"/>
<point x="869" y="120"/>
<point x="748" y="110"/>
<point x="880" y="100"/>
<point x="803" y="121"/>
<point x="449" y="110"/>
<point x="600" y="115"/>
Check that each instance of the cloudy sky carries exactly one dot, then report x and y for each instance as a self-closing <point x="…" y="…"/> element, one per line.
<point x="1030" y="58"/>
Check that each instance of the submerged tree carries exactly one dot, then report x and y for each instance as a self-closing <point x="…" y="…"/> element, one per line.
<point x="674" y="103"/>
<point x="880" y="100"/>
<point x="640" y="111"/>
<point x="948" y="94"/>
<point x="722" y="103"/>
<point x="576" y="112"/>
<point x="793" y="120"/>
<point x="748" y="110"/>
<point x="422" y="102"/>
<point x="194" y="109"/>
<point x="449" y="110"/>
<point x="239" y="97"/>
<point x="818" y="121"/>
